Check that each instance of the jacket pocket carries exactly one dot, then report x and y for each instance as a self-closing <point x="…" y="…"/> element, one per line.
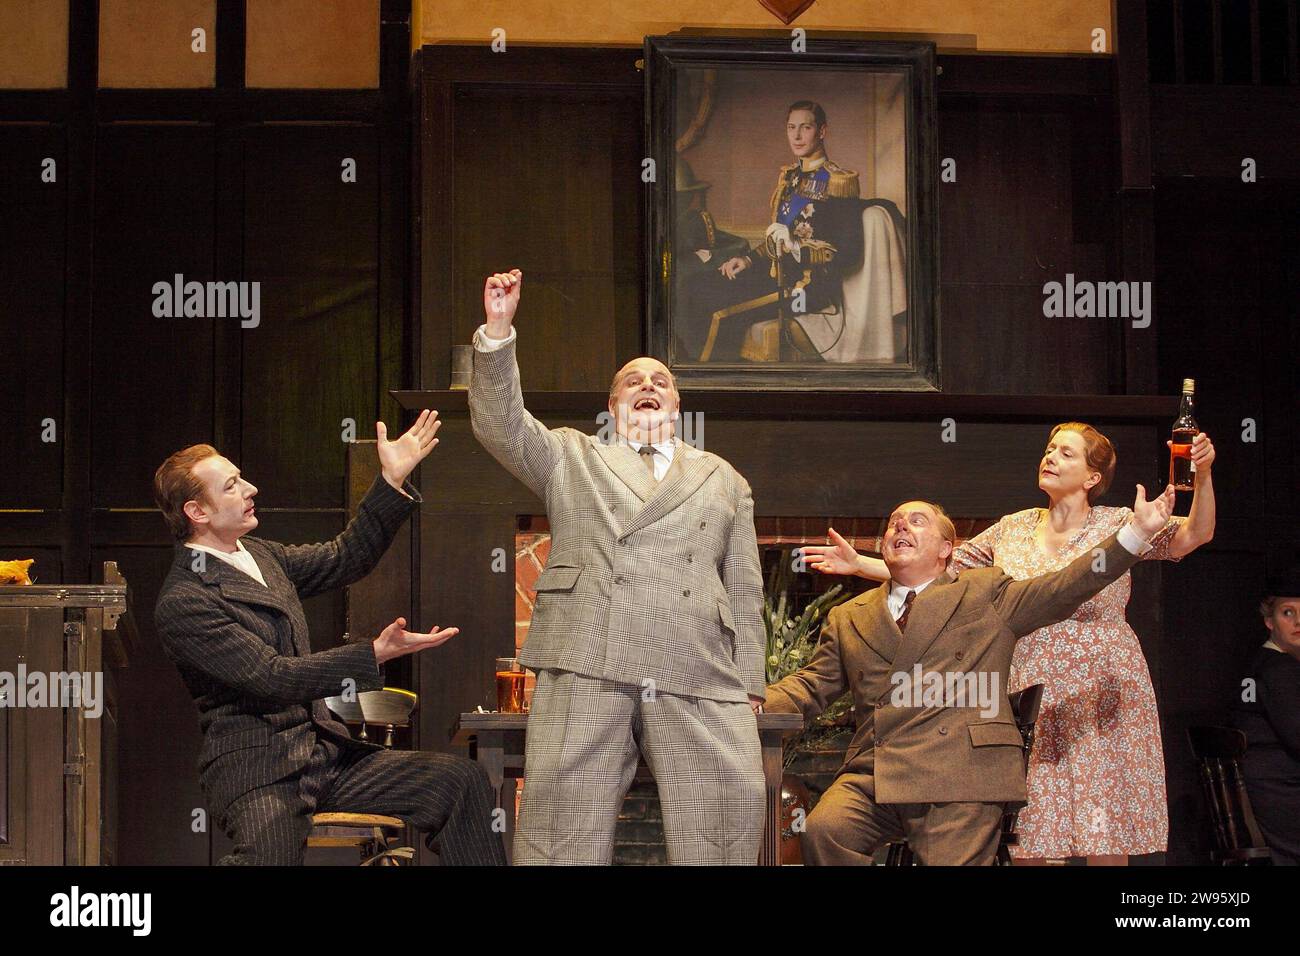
<point x="724" y="611"/>
<point x="995" y="733"/>
<point x="557" y="579"/>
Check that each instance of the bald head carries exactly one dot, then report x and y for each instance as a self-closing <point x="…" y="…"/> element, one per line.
<point x="643" y="400"/>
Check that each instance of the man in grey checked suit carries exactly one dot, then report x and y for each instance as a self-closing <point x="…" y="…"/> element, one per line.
<point x="230" y="615"/>
<point x="647" y="632"/>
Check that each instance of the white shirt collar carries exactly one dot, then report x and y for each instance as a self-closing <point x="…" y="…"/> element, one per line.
<point x="898" y="594"/>
<point x="665" y="448"/>
<point x="241" y="558"/>
<point x="1272" y="645"/>
<point x="239" y="546"/>
<point x="901" y="589"/>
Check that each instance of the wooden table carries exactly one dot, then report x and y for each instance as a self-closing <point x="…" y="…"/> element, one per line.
<point x="496" y="741"/>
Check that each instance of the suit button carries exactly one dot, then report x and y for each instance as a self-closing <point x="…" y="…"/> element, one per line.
<point x="613" y="507"/>
<point x="943" y="730"/>
<point x="686" y="593"/>
<point x="624" y="541"/>
<point x="620" y="580"/>
<point x="879" y="704"/>
<point x="961" y="655"/>
<point x="861" y="675"/>
<point x="690" y="558"/>
<point x="702" y="524"/>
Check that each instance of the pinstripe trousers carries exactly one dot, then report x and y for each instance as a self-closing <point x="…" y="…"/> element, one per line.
<point x="584" y="734"/>
<point x="440" y="794"/>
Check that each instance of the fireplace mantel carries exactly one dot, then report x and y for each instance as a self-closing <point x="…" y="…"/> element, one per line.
<point x="803" y="405"/>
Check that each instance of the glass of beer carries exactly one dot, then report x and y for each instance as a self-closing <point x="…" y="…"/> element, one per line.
<point x="510" y="685"/>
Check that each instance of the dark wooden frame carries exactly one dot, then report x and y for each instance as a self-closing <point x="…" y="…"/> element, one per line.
<point x="664" y="57"/>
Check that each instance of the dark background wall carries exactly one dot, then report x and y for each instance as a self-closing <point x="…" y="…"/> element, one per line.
<point x="222" y="184"/>
<point x="1065" y="164"/>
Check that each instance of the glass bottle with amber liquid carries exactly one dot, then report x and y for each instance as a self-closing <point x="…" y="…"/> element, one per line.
<point x="1182" y="470"/>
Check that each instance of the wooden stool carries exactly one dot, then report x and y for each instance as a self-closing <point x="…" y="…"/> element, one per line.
<point x="372" y="834"/>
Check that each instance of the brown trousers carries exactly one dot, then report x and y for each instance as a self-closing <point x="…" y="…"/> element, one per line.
<point x="848" y="826"/>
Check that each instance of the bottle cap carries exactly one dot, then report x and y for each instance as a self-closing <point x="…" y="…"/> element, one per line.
<point x="1189" y="386"/>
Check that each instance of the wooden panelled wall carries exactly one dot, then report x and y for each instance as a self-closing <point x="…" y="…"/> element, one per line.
<point x="222" y="184"/>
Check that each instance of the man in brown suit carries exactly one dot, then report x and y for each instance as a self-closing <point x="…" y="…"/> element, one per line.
<point x="937" y="755"/>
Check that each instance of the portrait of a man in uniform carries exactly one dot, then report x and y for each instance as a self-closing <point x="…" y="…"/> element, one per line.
<point x="791" y="231"/>
<point x="814" y="235"/>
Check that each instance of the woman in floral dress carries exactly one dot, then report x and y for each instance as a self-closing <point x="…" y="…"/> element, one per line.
<point x="1096" y="775"/>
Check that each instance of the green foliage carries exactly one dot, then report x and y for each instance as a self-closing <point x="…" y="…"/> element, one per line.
<point x="791" y="644"/>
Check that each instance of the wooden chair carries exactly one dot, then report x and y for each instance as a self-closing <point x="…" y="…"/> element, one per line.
<point x="1238" y="841"/>
<point x="1025" y="705"/>
<point x="373" y="835"/>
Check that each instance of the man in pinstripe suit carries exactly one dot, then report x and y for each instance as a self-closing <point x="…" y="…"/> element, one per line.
<point x="230" y="616"/>
<point x="647" y="633"/>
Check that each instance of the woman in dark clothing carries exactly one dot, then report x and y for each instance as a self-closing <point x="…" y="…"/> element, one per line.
<point x="1269" y="714"/>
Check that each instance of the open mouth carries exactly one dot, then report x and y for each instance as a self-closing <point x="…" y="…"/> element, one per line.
<point x="902" y="543"/>
<point x="646" y="404"/>
<point x="248" y="510"/>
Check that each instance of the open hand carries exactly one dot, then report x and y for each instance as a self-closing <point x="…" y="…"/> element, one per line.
<point x="1150" y="516"/>
<point x="397" y="459"/>
<point x="396" y="641"/>
<point x="840" y="557"/>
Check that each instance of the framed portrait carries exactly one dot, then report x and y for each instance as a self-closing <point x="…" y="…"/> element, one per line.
<point x="792" y="220"/>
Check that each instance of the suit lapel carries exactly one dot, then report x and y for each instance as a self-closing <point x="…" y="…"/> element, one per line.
<point x="678" y="485"/>
<point x="279" y="585"/>
<point x="931" y="610"/>
<point x="237" y="586"/>
<point x="876" y="626"/>
<point x="623" y="461"/>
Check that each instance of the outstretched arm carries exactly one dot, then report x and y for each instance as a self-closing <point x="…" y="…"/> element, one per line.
<point x="523" y="445"/>
<point x="1037" y="602"/>
<point x="352" y="555"/>
<point x="200" y="636"/>
<point x="840" y="557"/>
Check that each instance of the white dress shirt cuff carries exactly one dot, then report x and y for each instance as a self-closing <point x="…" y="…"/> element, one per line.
<point x="484" y="343"/>
<point x="1132" y="540"/>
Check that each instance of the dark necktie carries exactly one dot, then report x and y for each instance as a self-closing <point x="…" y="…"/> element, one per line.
<point x="647" y="453"/>
<point x="907" y="609"/>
